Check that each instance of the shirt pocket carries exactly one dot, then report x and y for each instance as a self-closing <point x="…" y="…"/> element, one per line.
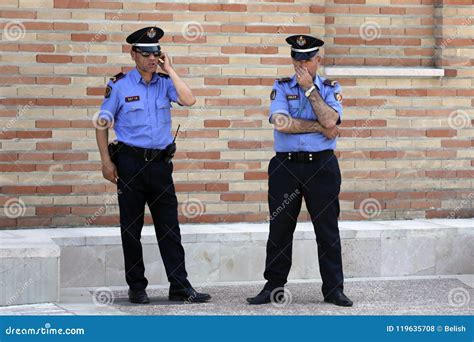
<point x="163" y="110"/>
<point x="294" y="107"/>
<point x="134" y="114"/>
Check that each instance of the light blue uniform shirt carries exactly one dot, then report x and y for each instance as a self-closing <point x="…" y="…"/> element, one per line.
<point x="289" y="99"/>
<point x="141" y="112"/>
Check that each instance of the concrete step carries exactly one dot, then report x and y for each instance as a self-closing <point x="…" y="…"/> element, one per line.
<point x="36" y="263"/>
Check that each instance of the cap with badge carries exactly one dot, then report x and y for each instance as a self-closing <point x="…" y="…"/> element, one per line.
<point x="146" y="39"/>
<point x="304" y="47"/>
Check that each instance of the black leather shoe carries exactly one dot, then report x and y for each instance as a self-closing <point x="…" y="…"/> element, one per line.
<point x="188" y="295"/>
<point x="338" y="298"/>
<point x="264" y="297"/>
<point x="267" y="296"/>
<point x="138" y="297"/>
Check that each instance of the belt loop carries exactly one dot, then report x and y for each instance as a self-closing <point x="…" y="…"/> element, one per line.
<point x="145" y="154"/>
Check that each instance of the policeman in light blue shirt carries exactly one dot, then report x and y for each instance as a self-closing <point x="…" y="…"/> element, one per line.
<point x="305" y="111"/>
<point x="137" y="105"/>
<point x="140" y="111"/>
<point x="288" y="98"/>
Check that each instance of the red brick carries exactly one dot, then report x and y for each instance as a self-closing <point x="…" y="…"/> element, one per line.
<point x="18" y="189"/>
<point x="261" y="50"/>
<point x="71" y="4"/>
<point x="232" y="197"/>
<point x="436" y="133"/>
<point x="18" y="14"/>
<point x="70" y="156"/>
<point x="54" y="189"/>
<point x="189" y="187"/>
<point x="52" y="211"/>
<point x="34" y="134"/>
<point x="203" y="155"/>
<point x="205" y="7"/>
<point x="255" y="175"/>
<point x="53" y="80"/>
<point x="70" y="26"/>
<point x="244" y="144"/>
<point x="216" y="123"/>
<point x="17" y="167"/>
<point x="217" y="187"/>
<point x="53" y="58"/>
<point x="54" y="145"/>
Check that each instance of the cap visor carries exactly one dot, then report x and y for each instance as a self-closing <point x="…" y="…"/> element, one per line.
<point x="149" y="48"/>
<point x="302" y="56"/>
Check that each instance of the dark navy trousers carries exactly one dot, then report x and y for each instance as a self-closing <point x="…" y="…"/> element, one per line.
<point x="148" y="182"/>
<point x="318" y="182"/>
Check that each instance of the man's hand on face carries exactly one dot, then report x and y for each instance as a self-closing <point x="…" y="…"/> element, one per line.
<point x="166" y="65"/>
<point x="305" y="80"/>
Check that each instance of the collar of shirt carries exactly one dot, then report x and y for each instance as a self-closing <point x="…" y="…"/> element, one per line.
<point x="317" y="82"/>
<point x="137" y="77"/>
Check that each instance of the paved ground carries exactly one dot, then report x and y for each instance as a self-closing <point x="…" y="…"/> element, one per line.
<point x="400" y="296"/>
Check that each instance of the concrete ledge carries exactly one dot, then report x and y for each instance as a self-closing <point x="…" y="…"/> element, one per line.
<point x="29" y="267"/>
<point x="383" y="72"/>
<point x="92" y="257"/>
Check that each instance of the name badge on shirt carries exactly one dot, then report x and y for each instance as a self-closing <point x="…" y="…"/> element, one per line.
<point x="132" y="98"/>
<point x="292" y="97"/>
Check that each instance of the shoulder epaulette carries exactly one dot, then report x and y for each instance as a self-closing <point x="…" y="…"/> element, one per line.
<point x="284" y="79"/>
<point x="117" y="77"/>
<point x="163" y="75"/>
<point x="329" y="82"/>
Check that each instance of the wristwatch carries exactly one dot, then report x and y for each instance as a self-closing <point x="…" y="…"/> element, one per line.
<point x="309" y="91"/>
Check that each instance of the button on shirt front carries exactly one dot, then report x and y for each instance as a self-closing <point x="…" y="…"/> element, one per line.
<point x="141" y="112"/>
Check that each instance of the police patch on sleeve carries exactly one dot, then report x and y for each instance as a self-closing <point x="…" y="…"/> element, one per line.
<point x="338" y="97"/>
<point x="273" y="94"/>
<point x="108" y="90"/>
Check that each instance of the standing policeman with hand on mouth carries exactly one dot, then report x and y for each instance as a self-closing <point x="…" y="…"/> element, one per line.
<point x="138" y="106"/>
<point x="305" y="111"/>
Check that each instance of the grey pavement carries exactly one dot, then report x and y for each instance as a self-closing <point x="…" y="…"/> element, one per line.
<point x="448" y="295"/>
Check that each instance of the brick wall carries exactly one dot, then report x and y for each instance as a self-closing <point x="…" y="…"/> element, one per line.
<point x="406" y="145"/>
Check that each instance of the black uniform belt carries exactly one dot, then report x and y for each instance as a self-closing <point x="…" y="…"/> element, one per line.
<point x="305" y="157"/>
<point x="148" y="154"/>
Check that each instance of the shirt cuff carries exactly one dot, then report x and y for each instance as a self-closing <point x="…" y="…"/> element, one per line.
<point x="277" y="112"/>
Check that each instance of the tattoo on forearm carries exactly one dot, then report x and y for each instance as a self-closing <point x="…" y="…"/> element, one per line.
<point x="287" y="124"/>
<point x="326" y="114"/>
